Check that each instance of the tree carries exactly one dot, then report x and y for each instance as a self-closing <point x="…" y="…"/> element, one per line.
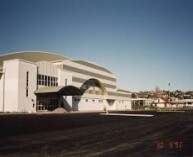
<point x="157" y="89"/>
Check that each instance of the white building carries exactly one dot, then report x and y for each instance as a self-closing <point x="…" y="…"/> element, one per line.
<point x="33" y="81"/>
<point x="161" y="102"/>
<point x="182" y="103"/>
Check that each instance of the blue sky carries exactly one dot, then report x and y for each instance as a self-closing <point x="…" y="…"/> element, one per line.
<point x="146" y="43"/>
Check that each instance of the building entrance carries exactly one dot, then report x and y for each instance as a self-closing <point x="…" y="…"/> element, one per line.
<point x="46" y="104"/>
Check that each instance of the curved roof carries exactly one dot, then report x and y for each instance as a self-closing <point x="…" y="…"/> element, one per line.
<point x="93" y="82"/>
<point x="36" y="56"/>
<point x="92" y="65"/>
<point x="33" y="56"/>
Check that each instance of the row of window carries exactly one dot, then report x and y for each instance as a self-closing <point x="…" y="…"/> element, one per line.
<point x="46" y="80"/>
<point x="87" y="100"/>
<point x="93" y="100"/>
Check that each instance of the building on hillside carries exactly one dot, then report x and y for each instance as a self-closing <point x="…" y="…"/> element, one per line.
<point x="161" y="102"/>
<point x="182" y="103"/>
<point x="35" y="81"/>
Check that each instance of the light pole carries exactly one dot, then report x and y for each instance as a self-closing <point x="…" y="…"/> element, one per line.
<point x="169" y="93"/>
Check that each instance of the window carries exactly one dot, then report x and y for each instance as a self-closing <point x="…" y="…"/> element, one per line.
<point x="49" y="83"/>
<point x="43" y="80"/>
<point x="47" y="80"/>
<point x="27" y="83"/>
<point x="66" y="82"/>
<point x="76" y="99"/>
<point x="39" y="80"/>
<point x="100" y="101"/>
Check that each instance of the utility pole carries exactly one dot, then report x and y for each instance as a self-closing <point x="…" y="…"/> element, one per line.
<point x="169" y="93"/>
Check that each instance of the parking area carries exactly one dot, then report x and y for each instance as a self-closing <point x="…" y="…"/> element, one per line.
<point x="93" y="134"/>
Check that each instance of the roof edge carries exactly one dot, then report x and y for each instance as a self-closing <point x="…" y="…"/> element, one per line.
<point x="48" y="52"/>
<point x="74" y="60"/>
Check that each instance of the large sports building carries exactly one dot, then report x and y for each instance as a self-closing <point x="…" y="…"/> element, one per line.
<point x="35" y="81"/>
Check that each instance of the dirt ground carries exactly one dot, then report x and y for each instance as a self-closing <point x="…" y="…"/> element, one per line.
<point x="92" y="134"/>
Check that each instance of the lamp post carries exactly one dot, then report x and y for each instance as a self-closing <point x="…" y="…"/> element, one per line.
<point x="169" y="93"/>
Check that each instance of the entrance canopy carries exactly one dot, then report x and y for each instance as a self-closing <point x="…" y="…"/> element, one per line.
<point x="93" y="82"/>
<point x="59" y="91"/>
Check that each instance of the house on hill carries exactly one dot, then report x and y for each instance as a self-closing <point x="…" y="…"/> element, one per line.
<point x="161" y="102"/>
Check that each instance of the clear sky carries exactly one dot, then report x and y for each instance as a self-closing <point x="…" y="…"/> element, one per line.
<point x="146" y="43"/>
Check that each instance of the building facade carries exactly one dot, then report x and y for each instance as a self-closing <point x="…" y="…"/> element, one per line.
<point x="34" y="81"/>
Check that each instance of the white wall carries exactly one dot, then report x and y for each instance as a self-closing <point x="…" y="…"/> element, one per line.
<point x="11" y="85"/>
<point x="65" y="79"/>
<point x="1" y="91"/>
<point x="25" y="102"/>
<point x="160" y="105"/>
<point x="89" y="104"/>
<point x="47" y="68"/>
<point x="62" y="76"/>
<point x="123" y="104"/>
<point x="15" y="99"/>
<point x="92" y="103"/>
<point x="87" y="68"/>
<point x="108" y="103"/>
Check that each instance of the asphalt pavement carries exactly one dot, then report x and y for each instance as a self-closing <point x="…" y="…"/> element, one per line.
<point x="93" y="134"/>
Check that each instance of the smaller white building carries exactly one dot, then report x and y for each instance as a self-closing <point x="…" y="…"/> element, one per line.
<point x="141" y="103"/>
<point x="161" y="102"/>
<point x="183" y="103"/>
